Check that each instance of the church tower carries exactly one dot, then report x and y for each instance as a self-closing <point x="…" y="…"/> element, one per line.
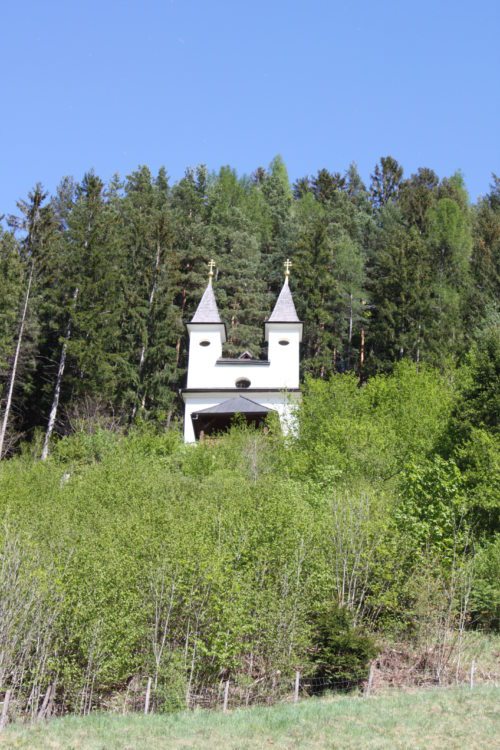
<point x="218" y="388"/>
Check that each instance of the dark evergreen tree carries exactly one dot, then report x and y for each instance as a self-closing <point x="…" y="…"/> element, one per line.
<point x="417" y="195"/>
<point x="11" y="283"/>
<point x="151" y="324"/>
<point x="278" y="239"/>
<point x="241" y="287"/>
<point x="39" y="235"/>
<point x="485" y="261"/>
<point x="399" y="289"/>
<point x="386" y="182"/>
<point x="99" y="370"/>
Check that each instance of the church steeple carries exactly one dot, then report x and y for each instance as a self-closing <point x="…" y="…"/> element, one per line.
<point x="284" y="310"/>
<point x="207" y="311"/>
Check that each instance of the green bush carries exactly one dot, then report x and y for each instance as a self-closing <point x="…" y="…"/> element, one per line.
<point x="340" y="653"/>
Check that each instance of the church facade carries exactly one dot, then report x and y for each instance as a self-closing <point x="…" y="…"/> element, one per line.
<point x="218" y="388"/>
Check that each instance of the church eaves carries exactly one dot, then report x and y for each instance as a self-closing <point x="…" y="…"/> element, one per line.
<point x="284" y="309"/>
<point x="207" y="311"/>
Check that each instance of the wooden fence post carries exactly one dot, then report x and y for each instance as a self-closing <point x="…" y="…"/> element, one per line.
<point x="370" y="680"/>
<point x="226" y="696"/>
<point x="472" y="673"/>
<point x="148" y="696"/>
<point x="5" y="709"/>
<point x="297" y="687"/>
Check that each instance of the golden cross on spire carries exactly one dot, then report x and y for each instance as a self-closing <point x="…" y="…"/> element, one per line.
<point x="288" y="264"/>
<point x="211" y="266"/>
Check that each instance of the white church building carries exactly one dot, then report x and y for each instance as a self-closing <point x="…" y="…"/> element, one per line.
<point x="218" y="388"/>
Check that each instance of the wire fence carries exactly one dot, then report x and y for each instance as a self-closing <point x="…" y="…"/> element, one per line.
<point x="237" y="693"/>
<point x="242" y="690"/>
<point x="232" y="693"/>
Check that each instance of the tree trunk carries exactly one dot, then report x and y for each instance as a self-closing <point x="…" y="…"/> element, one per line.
<point x="362" y="352"/>
<point x="8" y="403"/>
<point x="142" y="358"/>
<point x="57" y="391"/>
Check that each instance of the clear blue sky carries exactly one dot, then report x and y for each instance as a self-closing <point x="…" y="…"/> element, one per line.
<point x="112" y="85"/>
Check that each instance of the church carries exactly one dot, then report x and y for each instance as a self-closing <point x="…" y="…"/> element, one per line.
<point x="218" y="388"/>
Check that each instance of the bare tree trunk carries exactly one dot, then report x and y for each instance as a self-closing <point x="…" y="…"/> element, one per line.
<point x="13" y="373"/>
<point x="142" y="358"/>
<point x="350" y="329"/>
<point x="362" y="351"/>
<point x="57" y="391"/>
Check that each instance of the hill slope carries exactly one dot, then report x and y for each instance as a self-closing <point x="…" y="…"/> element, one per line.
<point x="451" y="718"/>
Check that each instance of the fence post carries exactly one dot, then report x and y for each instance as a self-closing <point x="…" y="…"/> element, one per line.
<point x="370" y="680"/>
<point x="148" y="696"/>
<point x="472" y="672"/>
<point x="297" y="687"/>
<point x="5" y="709"/>
<point x="226" y="696"/>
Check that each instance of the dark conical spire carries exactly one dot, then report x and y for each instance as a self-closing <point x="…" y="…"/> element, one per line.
<point x="207" y="311"/>
<point x="284" y="309"/>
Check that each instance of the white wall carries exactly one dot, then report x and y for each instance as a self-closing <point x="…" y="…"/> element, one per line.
<point x="281" y="372"/>
<point x="283" y="403"/>
<point x="201" y="362"/>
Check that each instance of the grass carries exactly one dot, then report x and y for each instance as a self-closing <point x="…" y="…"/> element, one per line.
<point x="430" y="719"/>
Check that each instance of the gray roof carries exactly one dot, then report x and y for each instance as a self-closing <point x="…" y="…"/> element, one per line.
<point x="207" y="311"/>
<point x="284" y="309"/>
<point x="236" y="405"/>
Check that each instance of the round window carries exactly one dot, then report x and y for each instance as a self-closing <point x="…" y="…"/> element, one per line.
<point x="283" y="342"/>
<point x="204" y="343"/>
<point x="243" y="383"/>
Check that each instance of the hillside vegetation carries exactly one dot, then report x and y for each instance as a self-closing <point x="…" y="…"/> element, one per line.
<point x="128" y="557"/>
<point x="431" y="719"/>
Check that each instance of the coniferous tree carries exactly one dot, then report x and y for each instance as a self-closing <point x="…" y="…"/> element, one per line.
<point x="386" y="182"/>
<point x="38" y="224"/>
<point x="241" y="288"/>
<point x="194" y="246"/>
<point x="99" y="370"/>
<point x="485" y="260"/>
<point x="11" y="283"/>
<point x="278" y="239"/>
<point x="151" y="326"/>
<point x="398" y="284"/>
<point x="450" y="243"/>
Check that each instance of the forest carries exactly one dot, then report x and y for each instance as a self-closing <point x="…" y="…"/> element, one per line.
<point x="126" y="556"/>
<point x="98" y="281"/>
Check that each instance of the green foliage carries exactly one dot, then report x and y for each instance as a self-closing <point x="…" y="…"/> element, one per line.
<point x="372" y="432"/>
<point x="184" y="563"/>
<point x="431" y="511"/>
<point x="340" y="653"/>
<point x="486" y="590"/>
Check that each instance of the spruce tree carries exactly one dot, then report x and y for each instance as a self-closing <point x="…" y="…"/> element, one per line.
<point x="39" y="228"/>
<point x="386" y="182"/>
<point x="399" y="278"/>
<point x="241" y="288"/>
<point x="98" y="370"/>
<point x="150" y="270"/>
<point x="485" y="260"/>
